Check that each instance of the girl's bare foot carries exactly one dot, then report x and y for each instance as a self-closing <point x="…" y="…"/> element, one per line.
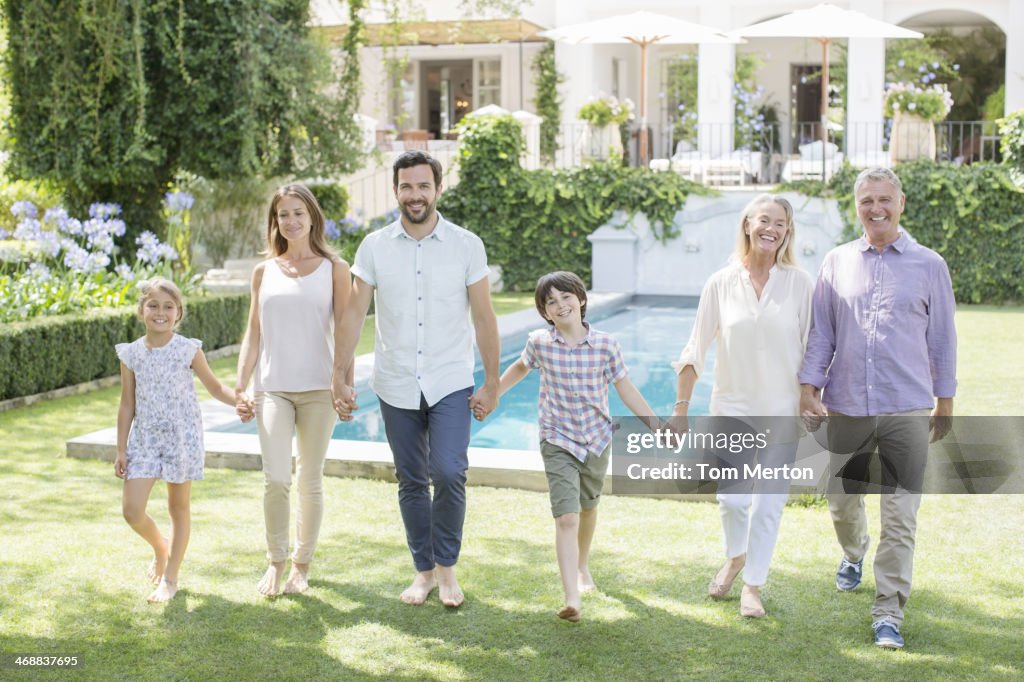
<point x="585" y="581"/>
<point x="448" y="587"/>
<point x="422" y="585"/>
<point x="569" y="613"/>
<point x="298" y="579"/>
<point x="156" y="567"/>
<point x="164" y="592"/>
<point x="270" y="583"/>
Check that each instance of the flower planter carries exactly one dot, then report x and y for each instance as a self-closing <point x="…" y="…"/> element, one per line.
<point x="602" y="143"/>
<point x="912" y="138"/>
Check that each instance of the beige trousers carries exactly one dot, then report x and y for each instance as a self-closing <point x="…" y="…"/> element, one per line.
<point x="902" y="444"/>
<point x="310" y="416"/>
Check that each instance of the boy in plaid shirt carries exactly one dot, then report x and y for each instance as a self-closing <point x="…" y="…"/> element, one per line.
<point x="577" y="363"/>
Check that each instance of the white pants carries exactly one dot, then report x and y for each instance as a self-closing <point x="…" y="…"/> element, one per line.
<point x="310" y="416"/>
<point x="750" y="520"/>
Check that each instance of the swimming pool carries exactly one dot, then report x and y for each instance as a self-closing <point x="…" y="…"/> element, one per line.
<point x="651" y="336"/>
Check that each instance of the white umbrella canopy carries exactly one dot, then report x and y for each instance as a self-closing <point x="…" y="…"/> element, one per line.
<point x="824" y="23"/>
<point x="641" y="29"/>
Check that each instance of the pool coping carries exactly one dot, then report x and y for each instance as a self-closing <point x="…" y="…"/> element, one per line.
<point x="493" y="467"/>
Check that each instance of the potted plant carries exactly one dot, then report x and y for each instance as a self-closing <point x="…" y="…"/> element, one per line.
<point x="914" y="111"/>
<point x="604" y="115"/>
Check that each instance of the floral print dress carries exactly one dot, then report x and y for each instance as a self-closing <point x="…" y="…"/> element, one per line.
<point x="166" y="440"/>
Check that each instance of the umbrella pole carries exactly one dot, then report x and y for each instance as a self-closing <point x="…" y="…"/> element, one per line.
<point x="643" y="105"/>
<point x="824" y="102"/>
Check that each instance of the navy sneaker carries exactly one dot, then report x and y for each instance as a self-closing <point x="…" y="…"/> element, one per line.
<point x="848" y="574"/>
<point x="887" y="634"/>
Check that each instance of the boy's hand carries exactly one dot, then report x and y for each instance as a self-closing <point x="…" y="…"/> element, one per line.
<point x="484" y="401"/>
<point x="120" y="464"/>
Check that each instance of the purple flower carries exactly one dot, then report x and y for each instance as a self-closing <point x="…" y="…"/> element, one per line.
<point x="103" y="211"/>
<point x="57" y="214"/>
<point x="124" y="272"/>
<point x="178" y="202"/>
<point x="39" y="272"/>
<point x="331" y="229"/>
<point x="24" y="209"/>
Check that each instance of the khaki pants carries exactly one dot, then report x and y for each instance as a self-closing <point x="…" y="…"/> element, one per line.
<point x="902" y="444"/>
<point x="309" y="415"/>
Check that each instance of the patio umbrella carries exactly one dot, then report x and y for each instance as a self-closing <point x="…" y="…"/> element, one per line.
<point x="641" y="29"/>
<point x="824" y="23"/>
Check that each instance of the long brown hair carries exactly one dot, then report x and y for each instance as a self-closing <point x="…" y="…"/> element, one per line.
<point x="276" y="243"/>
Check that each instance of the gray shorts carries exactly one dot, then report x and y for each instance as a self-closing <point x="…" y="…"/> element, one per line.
<point x="572" y="484"/>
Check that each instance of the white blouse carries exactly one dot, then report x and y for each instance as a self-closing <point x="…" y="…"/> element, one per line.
<point x="759" y="342"/>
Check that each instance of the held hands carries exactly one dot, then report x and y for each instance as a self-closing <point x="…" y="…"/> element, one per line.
<point x="245" y="408"/>
<point x="812" y="411"/>
<point x="120" y="464"/>
<point x="679" y="422"/>
<point x="484" y="401"/>
<point x="344" y="398"/>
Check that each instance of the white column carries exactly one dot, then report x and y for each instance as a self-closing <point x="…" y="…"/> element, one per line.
<point x="1015" y="57"/>
<point x="865" y="89"/>
<point x="715" y="75"/>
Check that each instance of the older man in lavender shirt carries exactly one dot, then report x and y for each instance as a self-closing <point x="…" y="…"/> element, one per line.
<point x="881" y="358"/>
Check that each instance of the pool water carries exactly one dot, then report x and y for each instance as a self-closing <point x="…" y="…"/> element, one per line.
<point x="651" y="337"/>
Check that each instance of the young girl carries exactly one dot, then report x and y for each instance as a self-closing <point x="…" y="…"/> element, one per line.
<point x="159" y="426"/>
<point x="577" y="363"/>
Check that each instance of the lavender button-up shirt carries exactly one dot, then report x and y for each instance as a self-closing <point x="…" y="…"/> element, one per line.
<point x="882" y="337"/>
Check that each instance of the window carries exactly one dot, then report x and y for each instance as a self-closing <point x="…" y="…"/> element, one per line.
<point x="488" y="82"/>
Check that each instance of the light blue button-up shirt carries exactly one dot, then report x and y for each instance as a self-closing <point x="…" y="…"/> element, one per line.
<point x="882" y="337"/>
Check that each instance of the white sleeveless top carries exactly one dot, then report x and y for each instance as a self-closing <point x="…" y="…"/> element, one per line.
<point x="296" y="330"/>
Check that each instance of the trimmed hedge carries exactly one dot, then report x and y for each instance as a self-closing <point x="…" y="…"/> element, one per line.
<point x="971" y="215"/>
<point x="53" y="352"/>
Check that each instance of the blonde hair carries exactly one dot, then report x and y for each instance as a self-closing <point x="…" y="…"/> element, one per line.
<point x="147" y="287"/>
<point x="785" y="255"/>
<point x="276" y="243"/>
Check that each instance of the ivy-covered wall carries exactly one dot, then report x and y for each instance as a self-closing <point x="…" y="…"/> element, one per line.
<point x="534" y="222"/>
<point x="973" y="215"/>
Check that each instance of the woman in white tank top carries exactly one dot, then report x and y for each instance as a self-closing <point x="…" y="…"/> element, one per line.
<point x="298" y="296"/>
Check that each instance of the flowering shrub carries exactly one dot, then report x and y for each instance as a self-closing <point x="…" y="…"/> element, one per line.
<point x="931" y="103"/>
<point x="346" y="234"/>
<point x="606" y="110"/>
<point x="59" y="264"/>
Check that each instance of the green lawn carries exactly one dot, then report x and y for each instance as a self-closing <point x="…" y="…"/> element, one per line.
<point x="72" y="576"/>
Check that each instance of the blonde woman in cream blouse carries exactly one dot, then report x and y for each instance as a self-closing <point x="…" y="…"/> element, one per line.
<point x="757" y="312"/>
<point x="298" y="296"/>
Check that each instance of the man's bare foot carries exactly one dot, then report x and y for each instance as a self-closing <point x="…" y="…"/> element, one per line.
<point x="156" y="567"/>
<point x="422" y="585"/>
<point x="298" y="579"/>
<point x="585" y="581"/>
<point x="448" y="587"/>
<point x="569" y="613"/>
<point x="270" y="583"/>
<point x="164" y="592"/>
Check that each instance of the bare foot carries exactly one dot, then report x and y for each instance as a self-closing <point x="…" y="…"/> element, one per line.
<point x="585" y="581"/>
<point x="156" y="567"/>
<point x="569" y="613"/>
<point x="422" y="585"/>
<point x="723" y="580"/>
<point x="750" y="602"/>
<point x="270" y="583"/>
<point x="298" y="579"/>
<point x="164" y="592"/>
<point x="448" y="587"/>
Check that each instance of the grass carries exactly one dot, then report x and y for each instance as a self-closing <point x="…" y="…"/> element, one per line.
<point x="72" y="576"/>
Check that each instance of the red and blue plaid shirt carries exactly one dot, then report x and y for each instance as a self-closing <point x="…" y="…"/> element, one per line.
<point x="574" y="388"/>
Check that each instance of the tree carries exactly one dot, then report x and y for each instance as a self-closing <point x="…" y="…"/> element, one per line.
<point x="111" y="98"/>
